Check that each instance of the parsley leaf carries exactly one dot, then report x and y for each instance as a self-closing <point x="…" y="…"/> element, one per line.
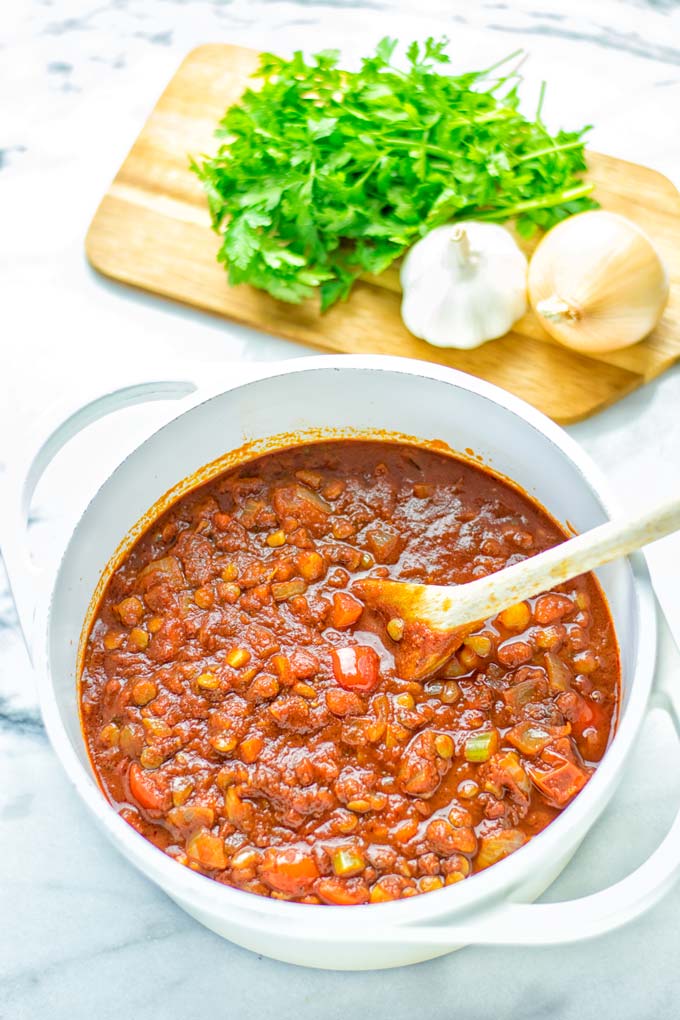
<point x="325" y="174"/>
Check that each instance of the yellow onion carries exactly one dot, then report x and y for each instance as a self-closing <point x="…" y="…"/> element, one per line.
<point x="596" y="282"/>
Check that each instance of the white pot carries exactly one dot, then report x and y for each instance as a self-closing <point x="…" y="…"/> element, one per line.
<point x="323" y="396"/>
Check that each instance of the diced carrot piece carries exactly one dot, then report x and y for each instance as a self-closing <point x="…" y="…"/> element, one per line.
<point x="207" y="850"/>
<point x="284" y="670"/>
<point x="189" y="817"/>
<point x="346" y="610"/>
<point x="145" y="790"/>
<point x="405" y="830"/>
<point x="288" y="870"/>
<point x="310" y="564"/>
<point x="343" y="892"/>
<point x="250" y="749"/>
<point x="381" y="894"/>
<point x="238" y="811"/>
<point x="130" y="611"/>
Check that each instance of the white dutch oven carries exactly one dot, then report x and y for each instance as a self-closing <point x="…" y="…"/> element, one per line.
<point x="344" y="396"/>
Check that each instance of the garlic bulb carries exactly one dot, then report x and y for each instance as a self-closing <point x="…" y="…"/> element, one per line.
<point x="464" y="283"/>
<point x="597" y="283"/>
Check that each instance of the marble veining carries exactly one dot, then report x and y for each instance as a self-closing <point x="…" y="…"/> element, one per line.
<point x="84" y="934"/>
<point x="608" y="38"/>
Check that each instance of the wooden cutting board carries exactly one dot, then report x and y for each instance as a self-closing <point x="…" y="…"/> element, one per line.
<point x="152" y="230"/>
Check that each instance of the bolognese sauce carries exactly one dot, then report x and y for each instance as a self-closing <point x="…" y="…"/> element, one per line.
<point x="242" y="708"/>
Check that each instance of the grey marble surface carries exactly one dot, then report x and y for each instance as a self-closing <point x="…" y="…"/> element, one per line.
<point x="82" y="933"/>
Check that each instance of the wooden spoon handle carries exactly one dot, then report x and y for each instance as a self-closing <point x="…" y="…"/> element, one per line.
<point x="481" y="599"/>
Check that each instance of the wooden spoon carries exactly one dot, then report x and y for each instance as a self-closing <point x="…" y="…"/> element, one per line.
<point x="430" y="621"/>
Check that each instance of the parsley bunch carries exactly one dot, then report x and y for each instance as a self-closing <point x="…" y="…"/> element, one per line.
<point x="326" y="174"/>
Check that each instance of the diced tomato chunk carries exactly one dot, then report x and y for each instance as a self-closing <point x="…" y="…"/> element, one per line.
<point x="580" y="712"/>
<point x="356" y="667"/>
<point x="561" y="784"/>
<point x="589" y="723"/>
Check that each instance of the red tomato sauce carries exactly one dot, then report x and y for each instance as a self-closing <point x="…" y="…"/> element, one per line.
<point x="243" y="712"/>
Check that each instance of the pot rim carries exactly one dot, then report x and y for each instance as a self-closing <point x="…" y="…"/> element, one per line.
<point x="480" y="890"/>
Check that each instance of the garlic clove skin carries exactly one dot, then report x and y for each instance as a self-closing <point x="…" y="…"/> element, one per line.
<point x="463" y="284"/>
<point x="484" y="314"/>
<point x="596" y="283"/>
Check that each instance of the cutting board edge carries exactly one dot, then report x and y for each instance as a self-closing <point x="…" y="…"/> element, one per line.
<point x="113" y="273"/>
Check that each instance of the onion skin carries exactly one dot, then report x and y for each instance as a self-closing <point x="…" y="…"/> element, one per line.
<point x="596" y="283"/>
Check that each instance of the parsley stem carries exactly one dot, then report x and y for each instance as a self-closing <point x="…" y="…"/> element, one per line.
<point x="433" y="150"/>
<point x="506" y="212"/>
<point x="548" y="150"/>
<point x="499" y="63"/>
<point x="362" y="180"/>
<point x="436" y="150"/>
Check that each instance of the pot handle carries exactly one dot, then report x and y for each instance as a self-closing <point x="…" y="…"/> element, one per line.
<point x="54" y="429"/>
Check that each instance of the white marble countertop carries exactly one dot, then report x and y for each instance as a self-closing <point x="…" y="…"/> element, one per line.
<point x="83" y="934"/>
